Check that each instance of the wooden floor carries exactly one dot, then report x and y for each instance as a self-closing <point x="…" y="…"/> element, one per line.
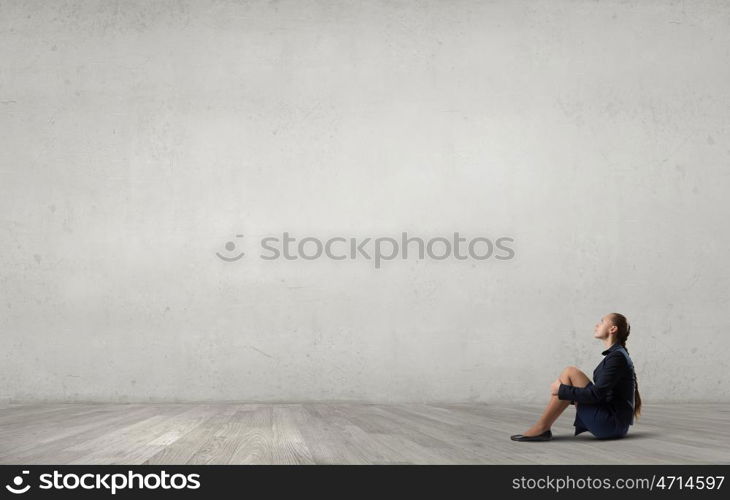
<point x="346" y="433"/>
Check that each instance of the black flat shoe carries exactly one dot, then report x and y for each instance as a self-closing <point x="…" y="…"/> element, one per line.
<point x="545" y="436"/>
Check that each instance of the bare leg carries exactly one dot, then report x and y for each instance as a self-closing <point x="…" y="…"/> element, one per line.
<point x="569" y="376"/>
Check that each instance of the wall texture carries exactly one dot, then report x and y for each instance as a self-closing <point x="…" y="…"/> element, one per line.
<point x="139" y="137"/>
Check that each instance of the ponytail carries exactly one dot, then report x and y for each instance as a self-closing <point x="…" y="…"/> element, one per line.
<point x="624" y="330"/>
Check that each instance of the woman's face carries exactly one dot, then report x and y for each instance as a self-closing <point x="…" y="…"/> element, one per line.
<point x="603" y="329"/>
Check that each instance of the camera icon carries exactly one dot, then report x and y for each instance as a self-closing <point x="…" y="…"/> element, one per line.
<point x="231" y="247"/>
<point x="18" y="487"/>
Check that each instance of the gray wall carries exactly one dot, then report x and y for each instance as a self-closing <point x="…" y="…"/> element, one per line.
<point x="139" y="137"/>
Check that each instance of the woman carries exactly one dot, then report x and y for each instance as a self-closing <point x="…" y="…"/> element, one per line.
<point x="607" y="408"/>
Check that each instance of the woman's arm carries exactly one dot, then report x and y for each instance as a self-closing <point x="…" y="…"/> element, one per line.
<point x="614" y="368"/>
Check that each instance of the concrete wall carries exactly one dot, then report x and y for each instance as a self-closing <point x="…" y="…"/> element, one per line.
<point x="139" y="137"/>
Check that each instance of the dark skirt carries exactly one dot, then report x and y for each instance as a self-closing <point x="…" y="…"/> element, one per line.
<point x="599" y="420"/>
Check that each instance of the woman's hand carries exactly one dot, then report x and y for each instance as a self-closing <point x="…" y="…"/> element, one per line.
<point x="555" y="386"/>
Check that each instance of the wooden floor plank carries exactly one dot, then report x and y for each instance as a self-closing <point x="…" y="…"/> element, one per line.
<point x="347" y="433"/>
<point x="255" y="436"/>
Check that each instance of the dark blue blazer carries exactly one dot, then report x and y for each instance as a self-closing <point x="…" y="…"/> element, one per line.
<point x="613" y="387"/>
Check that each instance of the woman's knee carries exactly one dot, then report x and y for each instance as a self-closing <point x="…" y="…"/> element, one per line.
<point x="575" y="376"/>
<point x="567" y="373"/>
